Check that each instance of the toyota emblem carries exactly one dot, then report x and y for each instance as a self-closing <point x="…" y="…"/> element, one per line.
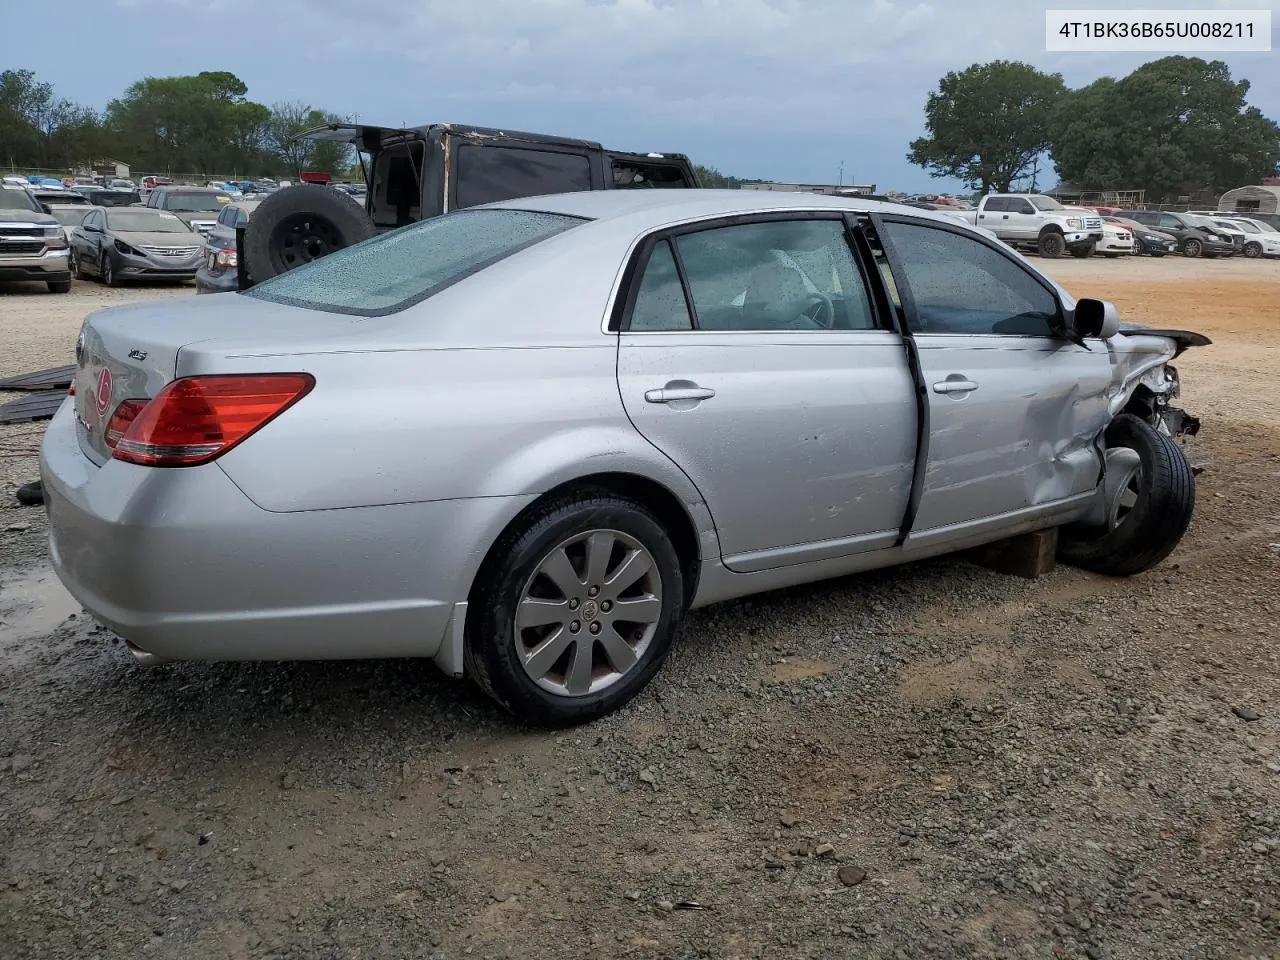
<point x="104" y="390"/>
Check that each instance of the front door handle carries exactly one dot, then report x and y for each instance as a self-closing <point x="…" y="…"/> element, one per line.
<point x="954" y="386"/>
<point x="1006" y="216"/>
<point x="670" y="394"/>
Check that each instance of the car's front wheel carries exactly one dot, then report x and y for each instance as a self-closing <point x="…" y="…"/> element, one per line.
<point x="1253" y="250"/>
<point x="107" y="271"/>
<point x="1192" y="248"/>
<point x="575" y="608"/>
<point x="1149" y="499"/>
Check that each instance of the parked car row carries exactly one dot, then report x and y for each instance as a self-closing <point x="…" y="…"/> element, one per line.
<point x="1040" y="224"/>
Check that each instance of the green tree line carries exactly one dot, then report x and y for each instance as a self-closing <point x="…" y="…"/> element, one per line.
<point x="202" y="124"/>
<point x="1173" y="127"/>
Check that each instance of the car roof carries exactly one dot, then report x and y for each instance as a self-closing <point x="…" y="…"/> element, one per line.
<point x="664" y="206"/>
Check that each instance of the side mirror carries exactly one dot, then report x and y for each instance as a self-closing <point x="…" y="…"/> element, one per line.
<point x="1096" y="318"/>
<point x="46" y="208"/>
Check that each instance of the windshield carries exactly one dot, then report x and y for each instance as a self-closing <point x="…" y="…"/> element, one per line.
<point x="144" y="221"/>
<point x="196" y="202"/>
<point x="1241" y="225"/>
<point x="397" y="269"/>
<point x="18" y="200"/>
<point x="1046" y="203"/>
<point x="70" y="216"/>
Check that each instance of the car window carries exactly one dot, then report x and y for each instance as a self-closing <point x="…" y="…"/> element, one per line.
<point x="395" y="270"/>
<point x="1024" y="206"/>
<point x="489" y="174"/>
<point x="776" y="275"/>
<point x="996" y="205"/>
<point x="962" y="286"/>
<point x="1168" y="220"/>
<point x="660" y="302"/>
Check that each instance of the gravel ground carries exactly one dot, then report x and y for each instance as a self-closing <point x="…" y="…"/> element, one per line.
<point x="932" y="761"/>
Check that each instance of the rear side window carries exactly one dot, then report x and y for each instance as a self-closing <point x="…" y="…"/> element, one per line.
<point x="489" y="174"/>
<point x="396" y="270"/>
<point x="660" y="302"/>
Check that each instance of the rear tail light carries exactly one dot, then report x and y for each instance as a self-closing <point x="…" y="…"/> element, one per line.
<point x="197" y="419"/>
<point x="125" y="414"/>
<point x="226" y="257"/>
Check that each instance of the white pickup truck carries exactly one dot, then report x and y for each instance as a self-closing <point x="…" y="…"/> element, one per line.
<point x="1036" y="222"/>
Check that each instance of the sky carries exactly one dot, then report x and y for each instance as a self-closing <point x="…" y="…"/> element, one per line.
<point x="786" y="90"/>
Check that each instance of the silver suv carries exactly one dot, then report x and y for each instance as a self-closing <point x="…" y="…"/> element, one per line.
<point x="32" y="245"/>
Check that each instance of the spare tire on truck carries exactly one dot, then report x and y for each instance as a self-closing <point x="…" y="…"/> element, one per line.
<point x="296" y="225"/>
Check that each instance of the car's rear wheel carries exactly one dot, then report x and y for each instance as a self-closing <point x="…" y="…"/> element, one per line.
<point x="1051" y="244"/>
<point x="1253" y="250"/>
<point x="575" y="608"/>
<point x="1149" y="500"/>
<point x="1192" y="248"/>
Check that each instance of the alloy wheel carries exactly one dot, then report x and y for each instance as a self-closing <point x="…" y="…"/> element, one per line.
<point x="588" y="613"/>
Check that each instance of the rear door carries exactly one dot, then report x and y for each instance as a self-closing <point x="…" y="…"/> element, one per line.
<point x="1024" y="224"/>
<point x="750" y="355"/>
<point x="994" y="215"/>
<point x="1013" y="410"/>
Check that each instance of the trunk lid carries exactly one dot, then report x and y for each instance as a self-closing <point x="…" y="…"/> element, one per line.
<point x="132" y="352"/>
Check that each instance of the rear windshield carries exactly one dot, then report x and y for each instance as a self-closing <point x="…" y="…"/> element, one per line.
<point x="398" y="269"/>
<point x="196" y="202"/>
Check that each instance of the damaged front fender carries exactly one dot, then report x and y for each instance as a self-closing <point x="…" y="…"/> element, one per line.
<point x="1144" y="382"/>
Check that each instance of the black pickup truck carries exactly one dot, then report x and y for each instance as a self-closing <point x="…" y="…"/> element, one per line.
<point x="418" y="172"/>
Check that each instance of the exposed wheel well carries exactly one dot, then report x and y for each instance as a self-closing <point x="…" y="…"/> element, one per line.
<point x="1050" y="228"/>
<point x="665" y="505"/>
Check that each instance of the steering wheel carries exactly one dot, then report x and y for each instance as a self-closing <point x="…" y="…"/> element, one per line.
<point x="818" y="313"/>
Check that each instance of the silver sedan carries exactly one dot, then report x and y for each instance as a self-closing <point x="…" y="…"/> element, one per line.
<point x="524" y="439"/>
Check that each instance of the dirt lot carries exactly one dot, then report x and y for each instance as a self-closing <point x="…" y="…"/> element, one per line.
<point x="1009" y="768"/>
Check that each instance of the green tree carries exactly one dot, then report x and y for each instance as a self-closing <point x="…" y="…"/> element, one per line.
<point x="712" y="178"/>
<point x="1173" y="126"/>
<point x="986" y="125"/>
<point x="290" y="119"/>
<point x="182" y="124"/>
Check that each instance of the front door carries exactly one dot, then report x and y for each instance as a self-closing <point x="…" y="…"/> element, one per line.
<point x="1014" y="411"/>
<point x="751" y="356"/>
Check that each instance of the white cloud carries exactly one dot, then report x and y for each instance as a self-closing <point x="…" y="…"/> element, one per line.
<point x="838" y="77"/>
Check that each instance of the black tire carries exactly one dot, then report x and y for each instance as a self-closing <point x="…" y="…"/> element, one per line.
<point x="299" y="224"/>
<point x="1253" y="250"/>
<point x="1192" y="248"/>
<point x="107" y="271"/>
<point x="1082" y="253"/>
<point x="1051" y="244"/>
<point x="73" y="264"/>
<point x="58" y="286"/>
<point x="1157" y="521"/>
<point x="492" y="654"/>
<point x="31" y="494"/>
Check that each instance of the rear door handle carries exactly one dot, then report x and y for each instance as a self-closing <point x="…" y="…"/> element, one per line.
<point x="954" y="386"/>
<point x="673" y="394"/>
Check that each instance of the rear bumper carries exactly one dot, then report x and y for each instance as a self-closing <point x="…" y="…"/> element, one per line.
<point x="209" y="282"/>
<point x="183" y="565"/>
